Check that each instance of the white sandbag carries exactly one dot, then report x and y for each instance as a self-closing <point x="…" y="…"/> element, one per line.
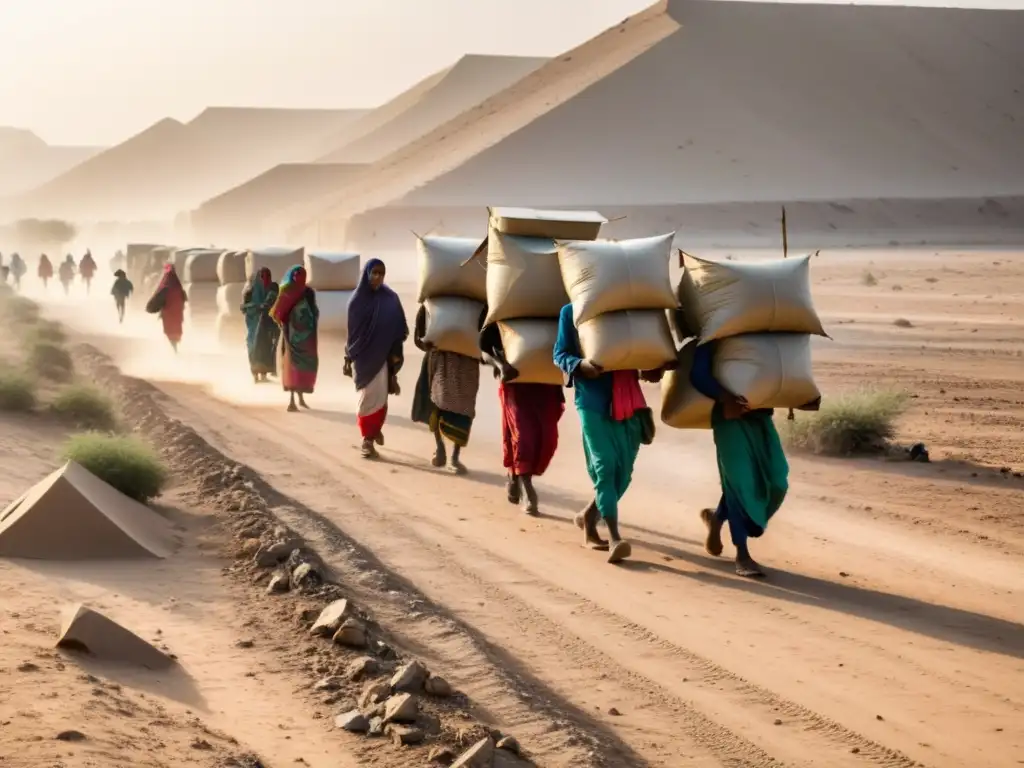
<point x="201" y="267"/>
<point x="230" y="330"/>
<point x="634" y="340"/>
<point x="453" y="324"/>
<point x="728" y="298"/>
<point x="277" y="259"/>
<point x="557" y="225"/>
<point x="229" y="298"/>
<point x="332" y="271"/>
<point x="612" y="276"/>
<point x="202" y="300"/>
<point x="682" y="406"/>
<point x="333" y="311"/>
<point x="523" y="278"/>
<point x="529" y="348"/>
<point x="231" y="267"/>
<point x="771" y="370"/>
<point x="447" y="268"/>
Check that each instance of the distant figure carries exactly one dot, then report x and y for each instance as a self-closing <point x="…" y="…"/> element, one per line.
<point x="169" y="302"/>
<point x="45" y="270"/>
<point x="87" y="269"/>
<point x="118" y="262"/>
<point x="5" y="272"/>
<point x="66" y="273"/>
<point x="18" y="268"/>
<point x="261" y="333"/>
<point x="296" y="313"/>
<point x="377" y="329"/>
<point x="122" y="289"/>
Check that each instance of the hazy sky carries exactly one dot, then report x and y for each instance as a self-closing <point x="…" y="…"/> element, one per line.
<point x="97" y="71"/>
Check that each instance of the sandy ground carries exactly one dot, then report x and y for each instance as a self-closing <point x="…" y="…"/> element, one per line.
<point x="887" y="634"/>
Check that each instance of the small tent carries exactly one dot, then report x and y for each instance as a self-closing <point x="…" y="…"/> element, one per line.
<point x="87" y="631"/>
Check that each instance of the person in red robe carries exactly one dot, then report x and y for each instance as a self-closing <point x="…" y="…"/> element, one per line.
<point x="169" y="302"/>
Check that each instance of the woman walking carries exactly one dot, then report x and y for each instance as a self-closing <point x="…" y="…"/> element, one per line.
<point x="169" y="301"/>
<point x="87" y="269"/>
<point x="297" y="315"/>
<point x="752" y="466"/>
<point x="445" y="396"/>
<point x="121" y="291"/>
<point x="377" y="329"/>
<point x="45" y="270"/>
<point x="260" y="331"/>
<point x="66" y="273"/>
<point x="612" y="410"/>
<point x="529" y="422"/>
<point x="18" y="268"/>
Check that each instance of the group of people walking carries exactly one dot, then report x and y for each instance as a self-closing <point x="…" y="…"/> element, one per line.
<point x="16" y="270"/>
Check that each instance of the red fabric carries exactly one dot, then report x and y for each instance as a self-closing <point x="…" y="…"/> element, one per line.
<point x="627" y="397"/>
<point x="173" y="313"/>
<point x="87" y="267"/>
<point x="529" y="425"/>
<point x="291" y="291"/>
<point x="370" y="426"/>
<point x="45" y="268"/>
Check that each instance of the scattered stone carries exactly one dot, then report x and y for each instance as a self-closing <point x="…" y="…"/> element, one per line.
<point x="244" y="644"/>
<point x="441" y="755"/>
<point x="376" y="726"/>
<point x="353" y="722"/>
<point x="404" y="736"/>
<point x="328" y="684"/>
<point x="351" y="634"/>
<point x="509" y="744"/>
<point x="855" y="750"/>
<point x="438" y="686"/>
<point x="778" y="722"/>
<point x="410" y="678"/>
<point x="202" y="744"/>
<point x="480" y="755"/>
<point x="401" y="708"/>
<point x="879" y="717"/>
<point x="275" y="553"/>
<point x="306" y="576"/>
<point x="70" y="736"/>
<point x="279" y="582"/>
<point x="373" y="694"/>
<point x="28" y="666"/>
<point x="614" y="712"/>
<point x="249" y="547"/>
<point x="330" y="618"/>
<point x="307" y="615"/>
<point x="362" y="667"/>
<point x="385" y="651"/>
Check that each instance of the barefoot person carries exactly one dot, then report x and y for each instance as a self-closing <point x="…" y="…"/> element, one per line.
<point x="297" y="315"/>
<point x="260" y="331"/>
<point x="66" y="273"/>
<point x="609" y="406"/>
<point x="530" y="414"/>
<point x="45" y="270"/>
<point x="87" y="269"/>
<point x="445" y="397"/>
<point x="168" y="300"/>
<point x="751" y="465"/>
<point x="121" y="291"/>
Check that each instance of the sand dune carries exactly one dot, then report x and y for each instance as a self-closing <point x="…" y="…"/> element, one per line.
<point x="26" y="161"/>
<point x="696" y="102"/>
<point x="173" y="166"/>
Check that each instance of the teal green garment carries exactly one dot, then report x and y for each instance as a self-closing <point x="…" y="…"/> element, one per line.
<point x="752" y="466"/>
<point x="611" y="448"/>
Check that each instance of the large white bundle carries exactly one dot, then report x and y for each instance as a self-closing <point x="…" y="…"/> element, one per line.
<point x="453" y="324"/>
<point x="682" y="406"/>
<point x="229" y="297"/>
<point x="201" y="267"/>
<point x="637" y="340"/>
<point x="529" y="348"/>
<point x="727" y="298"/>
<point x="332" y="271"/>
<point x="556" y="225"/>
<point x="231" y="267"/>
<point x="447" y="268"/>
<point x="771" y="370"/>
<point x="333" y="311"/>
<point x="202" y="300"/>
<point x="230" y="329"/>
<point x="612" y="276"/>
<point x="277" y="259"/>
<point x="523" y="278"/>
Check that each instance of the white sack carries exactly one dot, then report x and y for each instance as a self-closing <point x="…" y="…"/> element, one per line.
<point x="612" y="276"/>
<point x="728" y="298"/>
<point x="682" y="406"/>
<point x="453" y="324"/>
<point x="771" y="370"/>
<point x="529" y="348"/>
<point x="333" y="311"/>
<point x="201" y="267"/>
<point x="556" y="225"/>
<point x="229" y="298"/>
<point x="231" y="267"/>
<point x="523" y="278"/>
<point x="637" y="340"/>
<point x="332" y="271"/>
<point x="444" y="270"/>
<point x="278" y="260"/>
<point x="202" y="300"/>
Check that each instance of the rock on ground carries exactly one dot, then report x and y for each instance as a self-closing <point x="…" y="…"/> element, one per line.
<point x="480" y="755"/>
<point x="353" y="722"/>
<point x="410" y="678"/>
<point x="330" y="619"/>
<point x="401" y="708"/>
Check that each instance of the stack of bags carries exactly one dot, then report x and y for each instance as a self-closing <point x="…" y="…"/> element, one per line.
<point x="525" y="292"/>
<point x="620" y="291"/>
<point x="453" y="289"/>
<point x="199" y="280"/>
<point x="230" y="324"/>
<point x="334" y="277"/>
<point x="762" y="316"/>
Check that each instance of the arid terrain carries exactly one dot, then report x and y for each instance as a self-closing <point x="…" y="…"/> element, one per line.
<point x="888" y="632"/>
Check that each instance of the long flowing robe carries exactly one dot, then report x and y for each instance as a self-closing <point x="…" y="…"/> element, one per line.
<point x="261" y="333"/>
<point x="67" y="270"/>
<point x="169" y="300"/>
<point x="296" y="313"/>
<point x="87" y="267"/>
<point x="45" y="269"/>
<point x="529" y="426"/>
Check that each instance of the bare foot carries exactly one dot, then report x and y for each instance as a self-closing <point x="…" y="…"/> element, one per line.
<point x="619" y="551"/>
<point x="713" y="540"/>
<point x="457" y="468"/>
<point x="439" y="459"/>
<point x="292" y="408"/>
<point x="748" y="568"/>
<point x="303" y="403"/>
<point x="591" y="539"/>
<point x="368" y="451"/>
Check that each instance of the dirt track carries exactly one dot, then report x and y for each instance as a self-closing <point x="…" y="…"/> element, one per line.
<point x="888" y="633"/>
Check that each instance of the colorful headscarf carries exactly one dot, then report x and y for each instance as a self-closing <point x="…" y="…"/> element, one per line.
<point x="292" y="289"/>
<point x="376" y="321"/>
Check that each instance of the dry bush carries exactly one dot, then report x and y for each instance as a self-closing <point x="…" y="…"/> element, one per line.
<point x="902" y="322"/>
<point x="861" y="422"/>
<point x="17" y="390"/>
<point x="127" y="463"/>
<point x="869" y="279"/>
<point x="86" y="407"/>
<point x="51" y="361"/>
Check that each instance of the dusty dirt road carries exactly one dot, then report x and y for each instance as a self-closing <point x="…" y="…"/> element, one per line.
<point x="889" y="632"/>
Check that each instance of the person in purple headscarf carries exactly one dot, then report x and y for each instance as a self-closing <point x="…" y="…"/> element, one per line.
<point x="377" y="329"/>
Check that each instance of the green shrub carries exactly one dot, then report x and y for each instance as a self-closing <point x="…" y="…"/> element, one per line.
<point x="125" y="462"/>
<point x="859" y="422"/>
<point x="45" y="331"/>
<point x="17" y="391"/>
<point x="85" y="406"/>
<point x="51" y="361"/>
